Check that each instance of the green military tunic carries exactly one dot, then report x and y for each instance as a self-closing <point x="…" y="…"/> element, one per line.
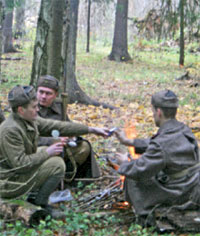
<point x="19" y="157"/>
<point x="156" y="179"/>
<point x="90" y="167"/>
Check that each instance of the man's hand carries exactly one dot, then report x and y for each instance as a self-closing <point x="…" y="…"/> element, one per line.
<point x="99" y="131"/>
<point x="122" y="138"/>
<point x="55" y="149"/>
<point x="121" y="157"/>
<point x="64" y="139"/>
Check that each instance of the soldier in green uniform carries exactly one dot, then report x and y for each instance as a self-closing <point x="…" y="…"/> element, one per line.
<point x="25" y="168"/>
<point x="168" y="172"/>
<point x="51" y="107"/>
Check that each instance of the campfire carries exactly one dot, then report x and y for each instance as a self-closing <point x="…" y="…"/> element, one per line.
<point x="130" y="132"/>
<point x="110" y="197"/>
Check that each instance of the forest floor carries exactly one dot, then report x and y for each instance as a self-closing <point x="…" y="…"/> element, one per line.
<point x="127" y="86"/>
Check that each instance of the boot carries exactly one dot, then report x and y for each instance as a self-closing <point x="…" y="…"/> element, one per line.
<point x="43" y="195"/>
<point x="44" y="192"/>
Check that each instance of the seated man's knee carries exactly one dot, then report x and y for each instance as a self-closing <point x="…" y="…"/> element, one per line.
<point x="55" y="165"/>
<point x="83" y="152"/>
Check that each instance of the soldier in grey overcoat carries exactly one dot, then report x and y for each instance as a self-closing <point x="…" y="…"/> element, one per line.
<point x="50" y="107"/>
<point x="25" y="168"/>
<point x="167" y="173"/>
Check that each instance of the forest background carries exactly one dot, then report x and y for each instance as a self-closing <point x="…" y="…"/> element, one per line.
<point x="152" y="46"/>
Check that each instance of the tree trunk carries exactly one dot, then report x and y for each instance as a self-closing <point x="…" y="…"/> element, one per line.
<point x="20" y="19"/>
<point x="75" y="93"/>
<point x="119" y="47"/>
<point x="40" y="57"/>
<point x="1" y="26"/>
<point x="7" y="27"/>
<point x="182" y="43"/>
<point x="55" y="39"/>
<point x="88" y="27"/>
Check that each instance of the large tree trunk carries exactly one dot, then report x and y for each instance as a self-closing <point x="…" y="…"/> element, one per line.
<point x="40" y="57"/>
<point x="7" y="27"/>
<point x="55" y="39"/>
<point x="47" y="49"/>
<point x="119" y="47"/>
<point x="20" y="19"/>
<point x="75" y="93"/>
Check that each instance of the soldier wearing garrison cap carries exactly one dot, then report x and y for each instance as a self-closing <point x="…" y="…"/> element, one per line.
<point x="50" y="106"/>
<point x="25" y="168"/>
<point x="164" y="98"/>
<point x="49" y="82"/>
<point x="168" y="171"/>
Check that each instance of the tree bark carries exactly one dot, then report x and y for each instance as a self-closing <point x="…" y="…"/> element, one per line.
<point x="182" y="42"/>
<point x="7" y="27"/>
<point x="119" y="48"/>
<point x="55" y="39"/>
<point x="40" y="57"/>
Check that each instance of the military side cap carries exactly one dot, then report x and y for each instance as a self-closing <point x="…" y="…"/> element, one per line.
<point x="21" y="95"/>
<point x="49" y="82"/>
<point x="165" y="98"/>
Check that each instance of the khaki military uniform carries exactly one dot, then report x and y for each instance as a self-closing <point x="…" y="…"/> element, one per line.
<point x="157" y="177"/>
<point x="22" y="166"/>
<point x="82" y="154"/>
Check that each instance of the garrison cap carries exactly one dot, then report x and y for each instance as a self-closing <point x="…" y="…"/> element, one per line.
<point x="49" y="82"/>
<point x="21" y="95"/>
<point x="164" y="98"/>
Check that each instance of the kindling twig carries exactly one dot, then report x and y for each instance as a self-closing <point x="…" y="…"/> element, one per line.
<point x="103" y="194"/>
<point x="97" y="179"/>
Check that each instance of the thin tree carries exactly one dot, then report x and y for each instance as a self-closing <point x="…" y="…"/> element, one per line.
<point x="120" y="43"/>
<point x="182" y="42"/>
<point x="88" y="26"/>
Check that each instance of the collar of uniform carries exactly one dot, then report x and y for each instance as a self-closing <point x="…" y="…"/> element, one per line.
<point x="54" y="107"/>
<point x="170" y="126"/>
<point x="29" y="125"/>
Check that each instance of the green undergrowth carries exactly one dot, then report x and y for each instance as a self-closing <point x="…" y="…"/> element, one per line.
<point x="153" y="67"/>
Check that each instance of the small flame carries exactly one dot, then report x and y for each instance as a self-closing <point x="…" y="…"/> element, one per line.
<point x="130" y="132"/>
<point x="121" y="205"/>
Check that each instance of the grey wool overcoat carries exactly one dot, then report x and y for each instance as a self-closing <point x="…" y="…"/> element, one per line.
<point x="157" y="177"/>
